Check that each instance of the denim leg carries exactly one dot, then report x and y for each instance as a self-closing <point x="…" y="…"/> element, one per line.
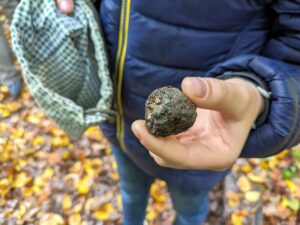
<point x="190" y="204"/>
<point x="135" y="185"/>
<point x="8" y="72"/>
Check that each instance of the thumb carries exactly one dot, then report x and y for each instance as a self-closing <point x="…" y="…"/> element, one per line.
<point x="228" y="97"/>
<point x="66" y="6"/>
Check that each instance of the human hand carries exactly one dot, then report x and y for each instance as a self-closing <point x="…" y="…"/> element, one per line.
<point x="225" y="114"/>
<point x="66" y="6"/>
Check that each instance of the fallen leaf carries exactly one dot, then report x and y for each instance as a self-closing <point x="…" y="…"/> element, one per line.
<point x="256" y="179"/>
<point x="75" y="219"/>
<point x="244" y="184"/>
<point x="66" y="202"/>
<point x="252" y="196"/>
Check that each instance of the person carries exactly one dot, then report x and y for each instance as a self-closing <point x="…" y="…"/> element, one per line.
<point x="9" y="75"/>
<point x="237" y="60"/>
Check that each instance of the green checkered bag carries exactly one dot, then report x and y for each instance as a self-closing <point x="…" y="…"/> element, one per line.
<point x="64" y="63"/>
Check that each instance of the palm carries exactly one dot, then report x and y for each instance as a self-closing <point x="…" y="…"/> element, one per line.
<point x="214" y="134"/>
<point x="209" y="131"/>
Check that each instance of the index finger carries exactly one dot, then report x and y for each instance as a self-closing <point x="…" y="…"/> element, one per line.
<point x="65" y="6"/>
<point x="193" y="155"/>
<point x="168" y="148"/>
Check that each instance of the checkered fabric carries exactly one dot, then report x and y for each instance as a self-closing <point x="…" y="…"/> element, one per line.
<point x="64" y="63"/>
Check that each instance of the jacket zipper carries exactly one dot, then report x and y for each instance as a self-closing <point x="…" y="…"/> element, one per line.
<point x="119" y="68"/>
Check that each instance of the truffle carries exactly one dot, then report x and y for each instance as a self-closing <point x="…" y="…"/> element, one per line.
<point x="168" y="112"/>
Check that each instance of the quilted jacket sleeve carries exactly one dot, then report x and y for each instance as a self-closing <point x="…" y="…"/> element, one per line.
<point x="279" y="66"/>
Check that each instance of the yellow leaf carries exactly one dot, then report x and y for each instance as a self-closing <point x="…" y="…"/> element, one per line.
<point x="41" y="155"/>
<point x="4" y="192"/>
<point x="37" y="190"/>
<point x="119" y="202"/>
<point x="48" y="173"/>
<point x="52" y="219"/>
<point x="108" y="207"/>
<point x="256" y="179"/>
<point x="33" y="119"/>
<point x="88" y="204"/>
<point x="60" y="141"/>
<point x="77" y="208"/>
<point x="39" y="181"/>
<point x="65" y="141"/>
<point x="87" y="165"/>
<point x="65" y="154"/>
<point x="77" y="167"/>
<point x="104" y="212"/>
<point x="27" y="192"/>
<point x="57" y="219"/>
<point x="57" y="132"/>
<point x="19" y="133"/>
<point x="101" y="215"/>
<point x="273" y="162"/>
<point x="108" y="151"/>
<point x="66" y="202"/>
<point x="20" y="212"/>
<point x="21" y="180"/>
<point x="114" y="165"/>
<point x="56" y="142"/>
<point x="2" y="202"/>
<point x="21" y="163"/>
<point x="264" y="164"/>
<point x="156" y="194"/>
<point x="233" y="199"/>
<point x="4" y="183"/>
<point x="237" y="219"/>
<point x="284" y="202"/>
<point x="283" y="154"/>
<point x="151" y="215"/>
<point x="252" y="196"/>
<point x="29" y="151"/>
<point x="115" y="176"/>
<point x="2" y="97"/>
<point x="291" y="185"/>
<point x="94" y="132"/>
<point x="244" y="184"/>
<point x="246" y="168"/>
<point x="4" y="113"/>
<point x="74" y="219"/>
<point x="4" y="89"/>
<point x="39" y="140"/>
<point x="83" y="186"/>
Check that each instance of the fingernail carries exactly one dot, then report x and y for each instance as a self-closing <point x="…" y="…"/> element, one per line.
<point x="199" y="87"/>
<point x="64" y="5"/>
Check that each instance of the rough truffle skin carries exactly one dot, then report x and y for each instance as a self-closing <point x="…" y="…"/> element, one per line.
<point x="168" y="112"/>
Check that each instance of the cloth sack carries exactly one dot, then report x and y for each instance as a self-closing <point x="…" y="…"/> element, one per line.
<point x="64" y="63"/>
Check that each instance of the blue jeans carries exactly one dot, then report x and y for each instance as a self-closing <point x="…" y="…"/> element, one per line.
<point x="190" y="204"/>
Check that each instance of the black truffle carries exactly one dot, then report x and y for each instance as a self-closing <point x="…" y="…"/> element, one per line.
<point x="169" y="112"/>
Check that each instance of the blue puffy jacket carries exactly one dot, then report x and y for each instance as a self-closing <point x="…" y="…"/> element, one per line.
<point x="154" y="43"/>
